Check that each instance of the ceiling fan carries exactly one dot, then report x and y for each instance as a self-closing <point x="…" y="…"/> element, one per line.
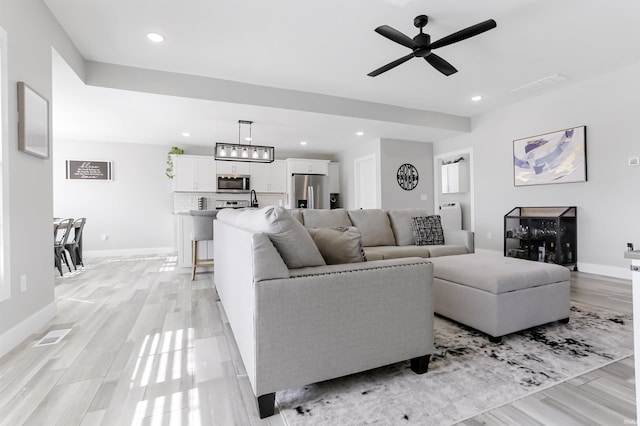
<point x="422" y="46"/>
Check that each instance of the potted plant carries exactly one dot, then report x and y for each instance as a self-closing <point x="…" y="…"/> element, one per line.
<point x="174" y="151"/>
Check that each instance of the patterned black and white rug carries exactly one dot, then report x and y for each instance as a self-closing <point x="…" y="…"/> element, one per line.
<point x="467" y="374"/>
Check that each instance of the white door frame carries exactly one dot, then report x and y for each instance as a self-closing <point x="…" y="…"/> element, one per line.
<point x="357" y="164"/>
<point x="437" y="161"/>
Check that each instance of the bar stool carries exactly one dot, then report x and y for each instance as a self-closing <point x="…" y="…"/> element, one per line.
<point x="202" y="231"/>
<point x="74" y="247"/>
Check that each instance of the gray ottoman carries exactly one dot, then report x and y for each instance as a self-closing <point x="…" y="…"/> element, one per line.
<point x="500" y="295"/>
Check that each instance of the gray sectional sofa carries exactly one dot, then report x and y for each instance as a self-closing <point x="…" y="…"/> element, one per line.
<point x="297" y="320"/>
<point x="387" y="234"/>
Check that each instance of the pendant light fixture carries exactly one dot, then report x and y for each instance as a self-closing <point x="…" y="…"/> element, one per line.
<point x="244" y="152"/>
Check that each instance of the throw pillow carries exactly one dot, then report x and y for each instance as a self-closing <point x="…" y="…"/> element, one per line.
<point x="427" y="230"/>
<point x="401" y="224"/>
<point x="342" y="244"/>
<point x="290" y="237"/>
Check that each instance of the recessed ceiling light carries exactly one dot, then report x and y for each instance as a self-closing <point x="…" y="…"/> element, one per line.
<point x="359" y="133"/>
<point x="186" y="134"/>
<point x="303" y="143"/>
<point x="155" y="37"/>
<point x="476" y="98"/>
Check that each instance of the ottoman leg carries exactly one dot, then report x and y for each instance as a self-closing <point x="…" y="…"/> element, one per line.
<point x="564" y="320"/>
<point x="494" y="339"/>
<point x="420" y="365"/>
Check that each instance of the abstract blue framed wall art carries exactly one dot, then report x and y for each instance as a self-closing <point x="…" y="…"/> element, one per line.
<point x="556" y="157"/>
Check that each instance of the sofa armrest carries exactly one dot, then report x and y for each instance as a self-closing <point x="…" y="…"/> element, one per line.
<point x="460" y="237"/>
<point x="330" y="321"/>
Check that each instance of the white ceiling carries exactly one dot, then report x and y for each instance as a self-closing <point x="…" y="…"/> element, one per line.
<point x="325" y="47"/>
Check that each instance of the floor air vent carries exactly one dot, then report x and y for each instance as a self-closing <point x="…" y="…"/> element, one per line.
<point x="53" y="337"/>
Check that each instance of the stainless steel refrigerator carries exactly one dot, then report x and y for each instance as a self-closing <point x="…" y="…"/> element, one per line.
<point x="309" y="191"/>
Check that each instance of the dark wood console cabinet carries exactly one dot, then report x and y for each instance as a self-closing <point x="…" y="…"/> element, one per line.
<point x="544" y="234"/>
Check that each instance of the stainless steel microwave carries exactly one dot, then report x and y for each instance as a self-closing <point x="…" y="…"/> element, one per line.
<point x="234" y="183"/>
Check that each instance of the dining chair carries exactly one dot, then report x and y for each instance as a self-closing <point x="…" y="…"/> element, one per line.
<point x="61" y="235"/>
<point x="73" y="246"/>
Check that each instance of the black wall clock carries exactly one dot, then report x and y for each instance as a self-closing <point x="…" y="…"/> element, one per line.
<point x="407" y="177"/>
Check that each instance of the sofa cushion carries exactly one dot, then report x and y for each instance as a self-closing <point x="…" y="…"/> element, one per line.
<point x="446" y="250"/>
<point x="401" y="224"/>
<point x="324" y="218"/>
<point x="339" y="245"/>
<point x="427" y="230"/>
<point x="398" y="252"/>
<point x="297" y="214"/>
<point x="374" y="226"/>
<point x="290" y="237"/>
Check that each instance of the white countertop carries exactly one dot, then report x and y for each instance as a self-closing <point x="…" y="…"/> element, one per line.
<point x="632" y="254"/>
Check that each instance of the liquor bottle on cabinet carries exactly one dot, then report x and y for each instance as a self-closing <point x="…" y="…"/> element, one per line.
<point x="545" y="234"/>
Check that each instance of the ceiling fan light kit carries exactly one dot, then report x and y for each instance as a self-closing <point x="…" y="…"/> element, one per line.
<point x="422" y="47"/>
<point x="247" y="153"/>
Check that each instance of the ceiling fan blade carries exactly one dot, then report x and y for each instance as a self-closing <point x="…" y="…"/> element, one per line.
<point x="395" y="35"/>
<point x="440" y="64"/>
<point x="390" y="65"/>
<point x="471" y="31"/>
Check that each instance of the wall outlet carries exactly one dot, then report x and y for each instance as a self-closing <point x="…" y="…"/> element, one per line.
<point x="23" y="283"/>
<point x="634" y="161"/>
<point x="104" y="237"/>
<point x="489" y="235"/>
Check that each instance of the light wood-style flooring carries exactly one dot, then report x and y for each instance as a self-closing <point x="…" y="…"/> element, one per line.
<point x="148" y="346"/>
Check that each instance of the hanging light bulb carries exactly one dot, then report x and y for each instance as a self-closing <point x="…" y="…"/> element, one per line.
<point x="255" y="153"/>
<point x="265" y="155"/>
<point x="245" y="153"/>
<point x="234" y="152"/>
<point x="222" y="152"/>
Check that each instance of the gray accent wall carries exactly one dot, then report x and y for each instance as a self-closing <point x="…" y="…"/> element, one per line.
<point x="393" y="154"/>
<point x="608" y="203"/>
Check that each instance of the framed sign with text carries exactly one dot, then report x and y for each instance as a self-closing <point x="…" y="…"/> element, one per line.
<point x="91" y="170"/>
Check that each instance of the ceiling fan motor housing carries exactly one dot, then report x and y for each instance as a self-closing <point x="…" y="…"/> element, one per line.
<point x="423" y="41"/>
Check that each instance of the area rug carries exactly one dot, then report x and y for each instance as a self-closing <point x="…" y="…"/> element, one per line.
<point x="467" y="374"/>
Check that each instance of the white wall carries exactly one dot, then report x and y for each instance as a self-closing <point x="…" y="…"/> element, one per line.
<point x="134" y="209"/>
<point x="608" y="203"/>
<point x="31" y="33"/>
<point x="393" y="154"/>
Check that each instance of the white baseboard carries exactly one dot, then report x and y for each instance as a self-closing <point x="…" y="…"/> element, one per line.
<point x="489" y="252"/>
<point x="590" y="268"/>
<point x="128" y="252"/>
<point x="13" y="337"/>
<point x="609" y="271"/>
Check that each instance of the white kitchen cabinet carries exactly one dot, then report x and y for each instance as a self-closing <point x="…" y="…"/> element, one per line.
<point x="269" y="177"/>
<point x="455" y="177"/>
<point x="196" y="173"/>
<point x="233" y="168"/>
<point x="184" y="233"/>
<point x="334" y="178"/>
<point x="305" y="166"/>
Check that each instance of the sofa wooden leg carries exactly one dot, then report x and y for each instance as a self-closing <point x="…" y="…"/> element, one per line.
<point x="494" y="339"/>
<point x="266" y="404"/>
<point x="564" y="320"/>
<point x="420" y="365"/>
